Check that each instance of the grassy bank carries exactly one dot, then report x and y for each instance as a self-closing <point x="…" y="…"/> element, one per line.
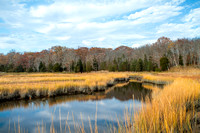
<point x="172" y="109"/>
<point x="19" y="86"/>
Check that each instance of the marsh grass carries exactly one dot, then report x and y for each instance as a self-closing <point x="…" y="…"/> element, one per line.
<point x="47" y="84"/>
<point x="166" y="112"/>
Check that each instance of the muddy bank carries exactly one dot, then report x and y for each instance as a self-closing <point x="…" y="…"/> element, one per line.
<point x="40" y="93"/>
<point x="143" y="80"/>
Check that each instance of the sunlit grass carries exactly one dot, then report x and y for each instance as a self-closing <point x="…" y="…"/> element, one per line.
<point x="23" y="82"/>
<point x="167" y="111"/>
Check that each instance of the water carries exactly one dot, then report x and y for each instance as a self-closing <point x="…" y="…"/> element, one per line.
<point x="30" y="115"/>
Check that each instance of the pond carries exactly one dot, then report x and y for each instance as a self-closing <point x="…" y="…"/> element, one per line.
<point x="77" y="110"/>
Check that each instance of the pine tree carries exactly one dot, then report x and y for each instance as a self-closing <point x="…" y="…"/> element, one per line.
<point x="145" y="66"/>
<point x="115" y="66"/>
<point x="95" y="64"/>
<point x="181" y="60"/>
<point x="139" y="66"/>
<point x="72" y="66"/>
<point x="84" y="67"/>
<point x="80" y="66"/>
<point x="133" y="65"/>
<point x="50" y="67"/>
<point x="30" y="69"/>
<point x="42" y="67"/>
<point x="2" y="68"/>
<point x="9" y="68"/>
<point x="88" y="66"/>
<point x="103" y="65"/>
<point x="19" y="69"/>
<point x="150" y="66"/>
<point x="57" y="67"/>
<point x="164" y="63"/>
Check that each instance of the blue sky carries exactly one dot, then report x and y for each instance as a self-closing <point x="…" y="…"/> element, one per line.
<point x="34" y="25"/>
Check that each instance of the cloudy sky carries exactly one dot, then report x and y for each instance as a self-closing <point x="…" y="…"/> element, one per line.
<point x="34" y="25"/>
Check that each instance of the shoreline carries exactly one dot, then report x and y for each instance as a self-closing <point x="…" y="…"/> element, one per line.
<point x="73" y="90"/>
<point x="42" y="93"/>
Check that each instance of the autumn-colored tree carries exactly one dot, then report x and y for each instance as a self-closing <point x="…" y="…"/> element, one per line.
<point x="179" y="52"/>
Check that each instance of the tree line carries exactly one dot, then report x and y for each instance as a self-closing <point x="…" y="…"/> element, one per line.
<point x="159" y="56"/>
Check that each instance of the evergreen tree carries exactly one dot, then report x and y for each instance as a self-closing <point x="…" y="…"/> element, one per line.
<point x="84" y="67"/>
<point x="180" y="60"/>
<point x="124" y="66"/>
<point x="42" y="67"/>
<point x="103" y="65"/>
<point x="145" y="66"/>
<point x="50" y="67"/>
<point x="164" y="63"/>
<point x="30" y="69"/>
<point x="150" y="66"/>
<point x="2" y="68"/>
<point x="72" y="67"/>
<point x="133" y="65"/>
<point x="139" y="65"/>
<point x="95" y="64"/>
<point x="88" y="67"/>
<point x="57" y="67"/>
<point x="9" y="68"/>
<point x="115" y="66"/>
<point x="80" y="66"/>
<point x="19" y="69"/>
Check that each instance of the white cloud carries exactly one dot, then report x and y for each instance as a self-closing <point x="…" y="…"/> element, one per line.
<point x="190" y="26"/>
<point x="93" y="23"/>
<point x="87" y="43"/>
<point x="155" y="14"/>
<point x="63" y="38"/>
<point x="193" y="17"/>
<point x="175" y="31"/>
<point x="82" y="11"/>
<point x="141" y="43"/>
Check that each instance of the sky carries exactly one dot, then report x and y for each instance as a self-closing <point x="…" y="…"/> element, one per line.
<point x="35" y="25"/>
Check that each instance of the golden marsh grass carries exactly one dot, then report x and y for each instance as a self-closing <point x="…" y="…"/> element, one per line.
<point x="167" y="111"/>
<point x="49" y="82"/>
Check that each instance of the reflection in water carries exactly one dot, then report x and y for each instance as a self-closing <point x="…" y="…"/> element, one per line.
<point x="110" y="103"/>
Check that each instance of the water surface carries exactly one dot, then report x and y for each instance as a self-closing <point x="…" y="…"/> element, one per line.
<point x="109" y="106"/>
